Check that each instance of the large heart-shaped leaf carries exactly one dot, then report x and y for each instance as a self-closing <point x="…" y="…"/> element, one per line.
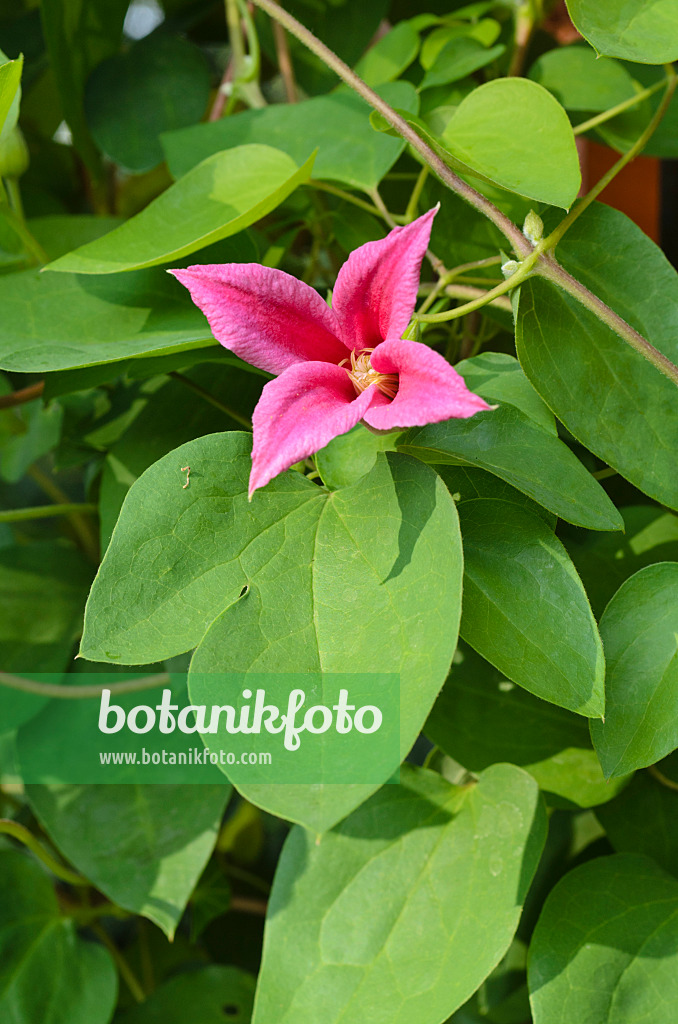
<point x="222" y="195"/>
<point x="606" y="394"/>
<point x="365" y="579"/>
<point x="640" y="631"/>
<point x="365" y="923"/>
<point x="47" y="973"/>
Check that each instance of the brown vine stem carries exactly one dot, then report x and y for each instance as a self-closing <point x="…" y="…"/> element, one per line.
<point x="512" y="233"/>
<point x="552" y="271"/>
<point x="28" y="394"/>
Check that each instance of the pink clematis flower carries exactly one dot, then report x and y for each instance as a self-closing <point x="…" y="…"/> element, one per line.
<point x="335" y="366"/>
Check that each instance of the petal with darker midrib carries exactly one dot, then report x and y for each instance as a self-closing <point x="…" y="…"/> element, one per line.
<point x="267" y="317"/>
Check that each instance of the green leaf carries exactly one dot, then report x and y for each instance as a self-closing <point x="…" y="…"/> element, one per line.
<point x="466" y="483"/>
<point x="10" y="92"/>
<point x="525" y="609"/>
<point x="349" y="457"/>
<point x="621" y="132"/>
<point x="158" y="430"/>
<point x="354" y="580"/>
<point x="390" y="55"/>
<point x="218" y="198"/>
<point x="211" y="898"/>
<point x="458" y="58"/>
<point x="162" y="83"/>
<point x="480" y="718"/>
<point x="127" y="315"/>
<point x="498" y="377"/>
<point x="43" y="587"/>
<point x="581" y="368"/>
<point x="644" y="819"/>
<point x="80" y="34"/>
<point x="514" y="443"/>
<point x="515" y="133"/>
<point x="47" y="973"/>
<point x="640" y="631"/>
<point x="343" y="944"/>
<point x="605" y="561"/>
<point x="641" y="30"/>
<point x="299" y="128"/>
<point x="144" y="847"/>
<point x="581" y="81"/>
<point x="604" y="948"/>
<point x="205" y="995"/>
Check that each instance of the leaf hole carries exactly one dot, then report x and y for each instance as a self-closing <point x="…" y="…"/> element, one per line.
<point x="230" y="1010"/>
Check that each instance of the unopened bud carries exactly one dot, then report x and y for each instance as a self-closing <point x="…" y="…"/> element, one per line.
<point x="533" y="228"/>
<point x="13" y="155"/>
<point x="509" y="268"/>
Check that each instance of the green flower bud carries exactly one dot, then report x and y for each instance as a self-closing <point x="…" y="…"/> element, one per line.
<point x="14" y="157"/>
<point x="533" y="228"/>
<point x="509" y="268"/>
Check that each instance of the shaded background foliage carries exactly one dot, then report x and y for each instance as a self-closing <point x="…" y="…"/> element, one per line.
<point x="527" y="872"/>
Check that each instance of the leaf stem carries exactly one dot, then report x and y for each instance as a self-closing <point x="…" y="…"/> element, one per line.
<point x="348" y="197"/>
<point x="552" y="241"/>
<point x="20" y="515"/>
<point x="242" y="420"/>
<point x="524" y="27"/>
<point x="437" y="165"/>
<point x="448" y="277"/>
<point x="84" y="534"/>
<point x="607" y="115"/>
<point x="660" y="777"/>
<point x="38" y="255"/>
<point x="28" y="394"/>
<point x="82" y="692"/>
<point x="411" y="211"/>
<point x="285" y="65"/>
<point x="19" y="832"/>
<point x="124" y="969"/>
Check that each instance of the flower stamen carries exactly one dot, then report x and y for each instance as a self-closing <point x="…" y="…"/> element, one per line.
<point x="363" y="374"/>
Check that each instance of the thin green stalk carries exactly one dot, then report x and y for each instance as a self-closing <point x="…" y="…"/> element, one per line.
<point x="512" y="233"/>
<point x="233" y="413"/>
<point x="470" y="307"/>
<point x="30" y="243"/>
<point x="82" y="692"/>
<point x="84" y="534"/>
<point x="455" y="272"/>
<point x="348" y="197"/>
<point x="17" y="831"/>
<point x="20" y="515"/>
<point x="524" y="27"/>
<point x="607" y="115"/>
<point x="412" y="206"/>
<point x="124" y="969"/>
<point x="551" y="242"/>
<point x="14" y="196"/>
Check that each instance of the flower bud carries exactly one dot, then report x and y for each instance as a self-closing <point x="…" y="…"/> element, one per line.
<point x="533" y="228"/>
<point x="509" y="268"/>
<point x="13" y="155"/>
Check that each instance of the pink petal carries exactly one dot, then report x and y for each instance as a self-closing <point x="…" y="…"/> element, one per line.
<point x="300" y="412"/>
<point x="267" y="317"/>
<point x="429" y="389"/>
<point x="376" y="288"/>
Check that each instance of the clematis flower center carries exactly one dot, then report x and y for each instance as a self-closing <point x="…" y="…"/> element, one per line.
<point x="363" y="374"/>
